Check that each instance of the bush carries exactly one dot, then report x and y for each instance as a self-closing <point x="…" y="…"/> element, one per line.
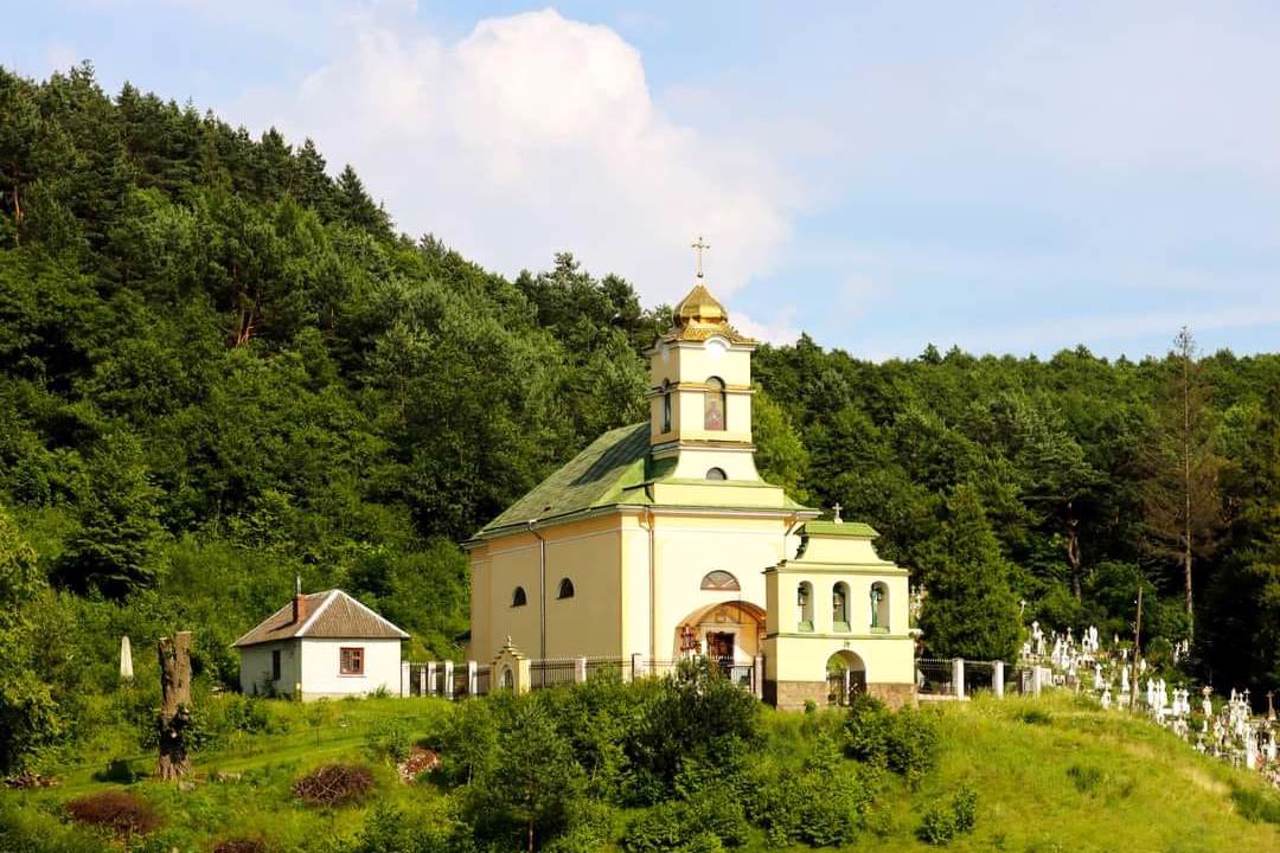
<point x="905" y="742"/>
<point x="710" y="820"/>
<point x="388" y="740"/>
<point x="334" y="785"/>
<point x="823" y="805"/>
<point x="938" y="826"/>
<point x="123" y="813"/>
<point x="1036" y="717"/>
<point x="118" y="770"/>
<point x="941" y="825"/>
<point x="1086" y="779"/>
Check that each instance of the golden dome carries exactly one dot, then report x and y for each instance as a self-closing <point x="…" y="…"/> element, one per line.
<point x="700" y="316"/>
<point x="700" y="307"/>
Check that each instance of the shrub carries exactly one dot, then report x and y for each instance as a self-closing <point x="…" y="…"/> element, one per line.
<point x="905" y="742"/>
<point x="710" y="820"/>
<point x="938" y="826"/>
<point x="123" y="813"/>
<point x="334" y="785"/>
<point x="965" y="809"/>
<point x="388" y="740"/>
<point x="941" y="824"/>
<point x="659" y="829"/>
<point x="118" y="770"/>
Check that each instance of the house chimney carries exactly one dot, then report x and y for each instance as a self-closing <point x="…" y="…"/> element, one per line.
<point x="299" y="601"/>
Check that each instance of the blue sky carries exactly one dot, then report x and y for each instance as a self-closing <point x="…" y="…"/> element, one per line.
<point x="1009" y="177"/>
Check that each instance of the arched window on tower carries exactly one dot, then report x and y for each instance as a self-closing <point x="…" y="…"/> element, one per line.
<point x="666" y="406"/>
<point x="840" y="606"/>
<point x="566" y="589"/>
<point x="720" y="580"/>
<point x="518" y="598"/>
<point x="714" y="404"/>
<point x="804" y="605"/>
<point x="879" y="606"/>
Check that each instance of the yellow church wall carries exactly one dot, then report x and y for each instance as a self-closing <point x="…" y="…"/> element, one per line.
<point x="688" y="547"/>
<point x="588" y="552"/>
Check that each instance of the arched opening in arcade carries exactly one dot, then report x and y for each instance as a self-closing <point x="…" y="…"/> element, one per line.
<point x="846" y="677"/>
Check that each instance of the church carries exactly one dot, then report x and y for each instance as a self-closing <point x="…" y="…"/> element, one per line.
<point x="661" y="539"/>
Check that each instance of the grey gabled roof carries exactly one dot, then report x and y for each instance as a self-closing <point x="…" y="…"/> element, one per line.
<point x="331" y="614"/>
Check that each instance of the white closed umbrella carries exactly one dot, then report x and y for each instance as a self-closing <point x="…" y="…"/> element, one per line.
<point x="126" y="659"/>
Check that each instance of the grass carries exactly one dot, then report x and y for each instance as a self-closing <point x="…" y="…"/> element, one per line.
<point x="1051" y="774"/>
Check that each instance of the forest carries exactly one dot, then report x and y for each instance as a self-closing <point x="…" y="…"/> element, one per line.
<point x="221" y="368"/>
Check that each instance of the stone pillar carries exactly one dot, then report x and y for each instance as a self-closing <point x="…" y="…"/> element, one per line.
<point x="957" y="677"/>
<point x="637" y="665"/>
<point x="757" y="677"/>
<point x="423" y="690"/>
<point x="997" y="679"/>
<point x="431" y="678"/>
<point x="448" y="680"/>
<point x="405" y="680"/>
<point x="580" y="671"/>
<point x="1036" y="674"/>
<point x="472" y="673"/>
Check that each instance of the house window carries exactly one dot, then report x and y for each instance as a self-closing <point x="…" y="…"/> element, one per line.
<point x="716" y="474"/>
<point x="804" y="603"/>
<point x="275" y="664"/>
<point x="351" y="660"/>
<point x="713" y="404"/>
<point x="566" y="589"/>
<point x="720" y="580"/>
<point x="840" y="606"/>
<point x="666" y="405"/>
<point x="518" y="598"/>
<point x="879" y="606"/>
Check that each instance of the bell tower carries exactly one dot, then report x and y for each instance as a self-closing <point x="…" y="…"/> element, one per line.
<point x="700" y="393"/>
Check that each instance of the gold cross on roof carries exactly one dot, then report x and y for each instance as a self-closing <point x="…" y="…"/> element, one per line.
<point x="698" y="247"/>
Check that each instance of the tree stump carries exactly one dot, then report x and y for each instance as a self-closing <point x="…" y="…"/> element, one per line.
<point x="175" y="705"/>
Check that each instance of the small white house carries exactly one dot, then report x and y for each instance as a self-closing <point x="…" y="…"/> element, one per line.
<point x="321" y="645"/>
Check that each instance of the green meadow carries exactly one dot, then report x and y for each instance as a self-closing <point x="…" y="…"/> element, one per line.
<point x="1049" y="774"/>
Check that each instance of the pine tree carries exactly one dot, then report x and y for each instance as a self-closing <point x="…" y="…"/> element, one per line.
<point x="355" y="207"/>
<point x="1183" y="508"/>
<point x="970" y="610"/>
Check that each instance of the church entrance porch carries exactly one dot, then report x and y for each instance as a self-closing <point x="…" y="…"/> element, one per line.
<point x="730" y="633"/>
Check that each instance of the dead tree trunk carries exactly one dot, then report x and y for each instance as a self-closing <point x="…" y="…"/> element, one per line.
<point x="175" y="705"/>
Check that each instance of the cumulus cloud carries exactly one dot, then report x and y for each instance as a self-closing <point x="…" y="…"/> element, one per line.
<point x="530" y="135"/>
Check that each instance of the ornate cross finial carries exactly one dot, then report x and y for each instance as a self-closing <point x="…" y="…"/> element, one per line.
<point x="698" y="248"/>
<point x="835" y="510"/>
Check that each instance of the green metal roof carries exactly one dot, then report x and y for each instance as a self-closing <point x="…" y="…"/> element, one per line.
<point x="840" y="528"/>
<point x="595" y="477"/>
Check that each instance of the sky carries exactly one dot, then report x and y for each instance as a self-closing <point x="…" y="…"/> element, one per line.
<point x="1006" y="177"/>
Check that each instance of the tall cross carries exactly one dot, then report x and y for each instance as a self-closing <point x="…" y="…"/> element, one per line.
<point x="836" y="510"/>
<point x="698" y="247"/>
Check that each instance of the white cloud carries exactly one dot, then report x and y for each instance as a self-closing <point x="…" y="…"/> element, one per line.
<point x="534" y="134"/>
<point x="781" y="330"/>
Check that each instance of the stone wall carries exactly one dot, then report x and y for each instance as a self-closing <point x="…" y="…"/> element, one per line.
<point x="791" y="695"/>
<point x="894" y="696"/>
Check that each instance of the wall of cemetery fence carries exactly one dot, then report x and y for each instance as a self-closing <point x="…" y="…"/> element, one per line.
<point x="937" y="679"/>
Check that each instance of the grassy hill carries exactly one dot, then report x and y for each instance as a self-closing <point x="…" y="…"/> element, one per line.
<point x="1050" y="774"/>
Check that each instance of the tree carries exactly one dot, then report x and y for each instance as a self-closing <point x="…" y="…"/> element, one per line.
<point x="534" y="783"/>
<point x="1180" y="495"/>
<point x="780" y="454"/>
<point x="110" y="550"/>
<point x="970" y="610"/>
<point x="30" y="718"/>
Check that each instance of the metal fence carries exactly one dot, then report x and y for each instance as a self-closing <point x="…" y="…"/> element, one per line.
<point x="549" y="673"/>
<point x="934" y="677"/>
<point x="978" y="675"/>
<point x="483" y="678"/>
